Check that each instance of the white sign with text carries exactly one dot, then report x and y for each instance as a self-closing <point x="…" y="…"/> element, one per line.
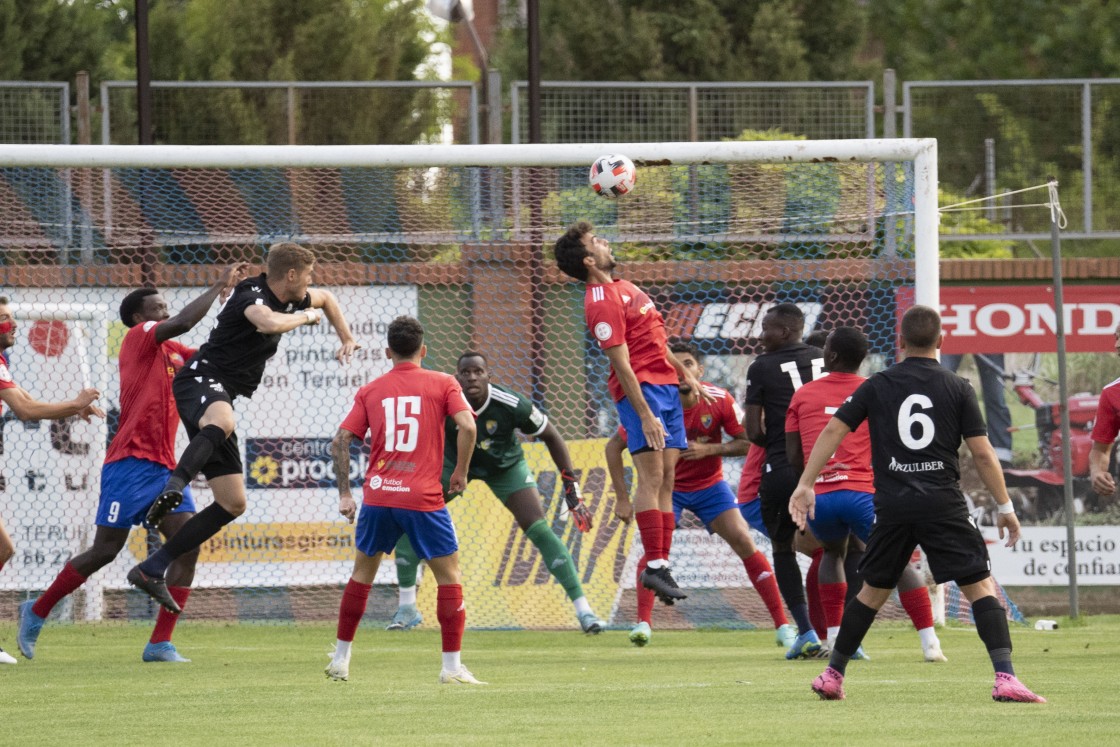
<point x="1041" y="557"/>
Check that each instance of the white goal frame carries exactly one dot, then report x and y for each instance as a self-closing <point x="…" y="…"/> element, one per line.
<point x="921" y="151"/>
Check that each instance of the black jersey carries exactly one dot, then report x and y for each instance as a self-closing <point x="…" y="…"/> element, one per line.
<point x="771" y="381"/>
<point x="236" y="352"/>
<point x="917" y="412"/>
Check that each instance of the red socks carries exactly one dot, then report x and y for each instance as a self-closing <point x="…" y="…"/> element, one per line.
<point x="813" y="594"/>
<point x="917" y="605"/>
<point x="766" y="584"/>
<point x="668" y="524"/>
<point x="64" y="583"/>
<point x="452" y="616"/>
<point x="645" y="596"/>
<point x="165" y="621"/>
<point x="832" y="603"/>
<point x="353" y="606"/>
<point x="652" y="531"/>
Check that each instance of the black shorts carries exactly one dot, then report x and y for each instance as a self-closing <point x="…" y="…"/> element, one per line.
<point x="192" y="397"/>
<point x="953" y="546"/>
<point x="774" y="491"/>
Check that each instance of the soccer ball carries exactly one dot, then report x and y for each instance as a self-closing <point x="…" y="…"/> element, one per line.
<point x="612" y="176"/>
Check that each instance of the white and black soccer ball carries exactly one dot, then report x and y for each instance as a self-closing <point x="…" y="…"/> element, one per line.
<point x="612" y="176"/>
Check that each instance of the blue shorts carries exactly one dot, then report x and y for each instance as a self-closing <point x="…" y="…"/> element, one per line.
<point x="665" y="402"/>
<point x="843" y="512"/>
<point x="707" y="504"/>
<point x="431" y="532"/>
<point x="752" y="512"/>
<point x="128" y="489"/>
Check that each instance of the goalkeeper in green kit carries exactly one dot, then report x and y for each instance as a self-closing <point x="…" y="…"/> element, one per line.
<point x="499" y="462"/>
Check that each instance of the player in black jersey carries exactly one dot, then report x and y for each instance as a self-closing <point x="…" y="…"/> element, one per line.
<point x="786" y="364"/>
<point x="918" y="412"/>
<point x="228" y="365"/>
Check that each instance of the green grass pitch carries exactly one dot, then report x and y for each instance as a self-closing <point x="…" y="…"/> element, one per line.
<point x="263" y="684"/>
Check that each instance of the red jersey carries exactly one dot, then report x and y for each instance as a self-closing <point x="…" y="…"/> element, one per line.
<point x="149" y="419"/>
<point x="812" y="406"/>
<point x="1107" y="425"/>
<point x="619" y="313"/>
<point x="751" y="478"/>
<point x="705" y="423"/>
<point x="5" y="379"/>
<point x="403" y="411"/>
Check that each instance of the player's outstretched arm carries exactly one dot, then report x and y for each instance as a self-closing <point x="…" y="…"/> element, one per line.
<point x="737" y="446"/>
<point x="340" y="455"/>
<point x="325" y="300"/>
<point x="27" y="407"/>
<point x="464" y="447"/>
<point x="794" y="453"/>
<point x="652" y="428"/>
<point x="562" y="458"/>
<point x="623" y="508"/>
<point x="1103" y="481"/>
<point x="987" y="464"/>
<point x="802" y="504"/>
<point x="271" y="322"/>
<point x="195" y="311"/>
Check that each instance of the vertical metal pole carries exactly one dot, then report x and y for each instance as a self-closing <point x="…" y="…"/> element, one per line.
<point x="493" y="106"/>
<point x="534" y="22"/>
<point x="64" y="111"/>
<point x="291" y="103"/>
<point x="890" y="170"/>
<point x="927" y="287"/>
<point x="1063" y="403"/>
<point x="693" y="115"/>
<point x="1087" y="156"/>
<point x="990" y="176"/>
<point x="144" y="123"/>
<point x="85" y="185"/>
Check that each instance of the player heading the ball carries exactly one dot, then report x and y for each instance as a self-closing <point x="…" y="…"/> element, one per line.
<point x="644" y="383"/>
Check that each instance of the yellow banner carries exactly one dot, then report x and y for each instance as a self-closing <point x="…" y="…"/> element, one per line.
<point x="505" y="581"/>
<point x="271" y="542"/>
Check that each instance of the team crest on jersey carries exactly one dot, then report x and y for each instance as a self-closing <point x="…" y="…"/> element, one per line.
<point x="491" y="426"/>
<point x="706" y="420"/>
<point x="603" y="331"/>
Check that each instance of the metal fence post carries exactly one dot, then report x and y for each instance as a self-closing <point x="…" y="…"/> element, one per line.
<point x="291" y="103"/>
<point x="1087" y="155"/>
<point x="85" y="186"/>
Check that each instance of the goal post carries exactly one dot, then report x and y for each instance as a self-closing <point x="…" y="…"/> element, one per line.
<point x="459" y="236"/>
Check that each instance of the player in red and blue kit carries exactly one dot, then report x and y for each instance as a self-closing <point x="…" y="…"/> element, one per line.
<point x="139" y="459"/>
<point x="1105" y="430"/>
<point x="403" y="412"/>
<point x="845" y="489"/>
<point x="28" y="408"/>
<point x="700" y="488"/>
<point x="643" y="382"/>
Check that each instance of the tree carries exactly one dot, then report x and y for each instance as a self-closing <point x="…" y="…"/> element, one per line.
<point x="277" y="40"/>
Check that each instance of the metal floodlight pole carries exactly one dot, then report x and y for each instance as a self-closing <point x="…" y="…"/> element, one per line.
<point x="533" y="18"/>
<point x="1063" y="395"/>
<point x="143" y="75"/>
<point x="455" y="11"/>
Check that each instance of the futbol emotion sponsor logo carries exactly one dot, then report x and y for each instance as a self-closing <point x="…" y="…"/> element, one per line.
<point x="603" y="331"/>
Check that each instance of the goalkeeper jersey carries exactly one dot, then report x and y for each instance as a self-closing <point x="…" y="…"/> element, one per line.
<point x="497" y="447"/>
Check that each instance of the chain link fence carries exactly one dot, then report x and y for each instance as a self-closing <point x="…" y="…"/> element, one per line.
<point x="34" y="113"/>
<point x="1003" y="135"/>
<point x="295" y="112"/>
<point x="585" y="112"/>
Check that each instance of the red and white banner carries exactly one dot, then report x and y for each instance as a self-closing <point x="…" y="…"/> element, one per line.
<point x="1021" y="318"/>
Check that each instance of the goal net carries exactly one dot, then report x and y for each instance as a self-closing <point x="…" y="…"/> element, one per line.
<point x="459" y="236"/>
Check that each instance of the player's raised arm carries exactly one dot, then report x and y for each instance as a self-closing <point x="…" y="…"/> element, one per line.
<point x="325" y="300"/>
<point x="27" y="407"/>
<point x="803" y="501"/>
<point x="464" y="446"/>
<point x="987" y="464"/>
<point x="195" y="311"/>
<point x="654" y="431"/>
<point x="623" y="508"/>
<point x="340" y="455"/>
